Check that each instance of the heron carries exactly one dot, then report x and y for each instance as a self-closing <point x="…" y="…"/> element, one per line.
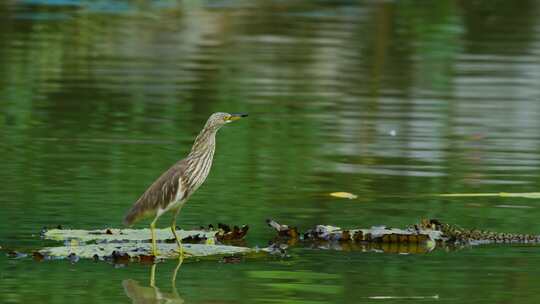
<point x="173" y="188"/>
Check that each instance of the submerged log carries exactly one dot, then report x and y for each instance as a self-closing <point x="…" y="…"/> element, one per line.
<point x="426" y="231"/>
<point x="375" y="234"/>
<point x="454" y="234"/>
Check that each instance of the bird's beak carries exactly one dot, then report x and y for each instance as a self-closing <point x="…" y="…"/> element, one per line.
<point x="236" y="116"/>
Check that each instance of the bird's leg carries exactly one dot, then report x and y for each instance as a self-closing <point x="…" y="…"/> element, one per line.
<point x="154" y="243"/>
<point x="175" y="273"/>
<point x="178" y="240"/>
<point x="153" y="276"/>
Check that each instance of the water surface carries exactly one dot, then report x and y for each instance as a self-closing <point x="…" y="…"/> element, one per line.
<point x="392" y="101"/>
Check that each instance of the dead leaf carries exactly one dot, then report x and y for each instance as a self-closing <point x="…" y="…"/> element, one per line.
<point x="147" y="259"/>
<point x="283" y="230"/>
<point x="16" y="254"/>
<point x="194" y="239"/>
<point x="231" y="235"/>
<point x="38" y="256"/>
<point x="120" y="258"/>
<point x="226" y="228"/>
<point x="344" y="195"/>
<point x="73" y="258"/>
<point x="231" y="259"/>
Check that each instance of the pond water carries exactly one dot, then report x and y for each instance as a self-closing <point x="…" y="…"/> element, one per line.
<point x="391" y="101"/>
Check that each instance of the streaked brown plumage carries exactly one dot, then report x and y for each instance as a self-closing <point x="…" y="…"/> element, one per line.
<point x="174" y="187"/>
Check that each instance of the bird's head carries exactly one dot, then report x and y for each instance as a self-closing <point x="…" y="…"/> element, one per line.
<point x="219" y="119"/>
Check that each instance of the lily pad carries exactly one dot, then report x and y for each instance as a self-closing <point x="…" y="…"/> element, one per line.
<point x="130" y="244"/>
<point x="137" y="250"/>
<point x="131" y="235"/>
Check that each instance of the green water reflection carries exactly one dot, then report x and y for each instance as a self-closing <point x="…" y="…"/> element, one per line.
<point x="387" y="100"/>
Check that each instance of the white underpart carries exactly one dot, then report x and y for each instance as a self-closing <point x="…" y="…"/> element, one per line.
<point x="178" y="202"/>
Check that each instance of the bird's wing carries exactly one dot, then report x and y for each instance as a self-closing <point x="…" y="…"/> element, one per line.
<point x="162" y="192"/>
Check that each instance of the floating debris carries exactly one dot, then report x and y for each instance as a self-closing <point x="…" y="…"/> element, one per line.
<point x="514" y="206"/>
<point x="374" y="234"/>
<point x="435" y="297"/>
<point x="535" y="195"/>
<point x="117" y="253"/>
<point x="224" y="227"/>
<point x="344" y="195"/>
<point x="123" y="245"/>
<point x="230" y="235"/>
<point x="455" y="234"/>
<point x="73" y="258"/>
<point x="283" y="230"/>
<point x="38" y="256"/>
<point x="224" y="233"/>
<point x="43" y="231"/>
<point x="16" y="254"/>
<point x="278" y="249"/>
<point x="146" y="259"/>
<point x="418" y="238"/>
<point x="120" y="235"/>
<point x="192" y="239"/>
<point x="130" y="245"/>
<point x="231" y="259"/>
<point x="119" y="257"/>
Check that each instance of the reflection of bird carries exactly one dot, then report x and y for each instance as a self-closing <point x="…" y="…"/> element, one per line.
<point x="142" y="294"/>
<point x="173" y="188"/>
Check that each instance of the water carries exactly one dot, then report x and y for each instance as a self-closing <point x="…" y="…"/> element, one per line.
<point x="392" y="101"/>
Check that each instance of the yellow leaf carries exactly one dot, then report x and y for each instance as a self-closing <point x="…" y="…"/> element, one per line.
<point x="500" y="194"/>
<point x="344" y="195"/>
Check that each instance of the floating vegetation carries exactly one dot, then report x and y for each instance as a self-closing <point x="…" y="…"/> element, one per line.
<point x="126" y="252"/>
<point x="418" y="238"/>
<point x="16" y="254"/>
<point x="514" y="206"/>
<point x="499" y="194"/>
<point x="344" y="195"/>
<point x="455" y="234"/>
<point x="376" y="238"/>
<point x="434" y="297"/>
<point x="223" y="233"/>
<point x="231" y="259"/>
<point x="121" y="246"/>
<point x="127" y="245"/>
<point x="377" y="234"/>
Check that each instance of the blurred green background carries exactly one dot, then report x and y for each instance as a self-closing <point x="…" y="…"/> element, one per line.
<point x="390" y="100"/>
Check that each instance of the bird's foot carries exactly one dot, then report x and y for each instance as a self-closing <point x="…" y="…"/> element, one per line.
<point x="181" y="253"/>
<point x="155" y="252"/>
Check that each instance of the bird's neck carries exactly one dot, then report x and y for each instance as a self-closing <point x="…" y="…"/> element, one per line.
<point x="205" y="141"/>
